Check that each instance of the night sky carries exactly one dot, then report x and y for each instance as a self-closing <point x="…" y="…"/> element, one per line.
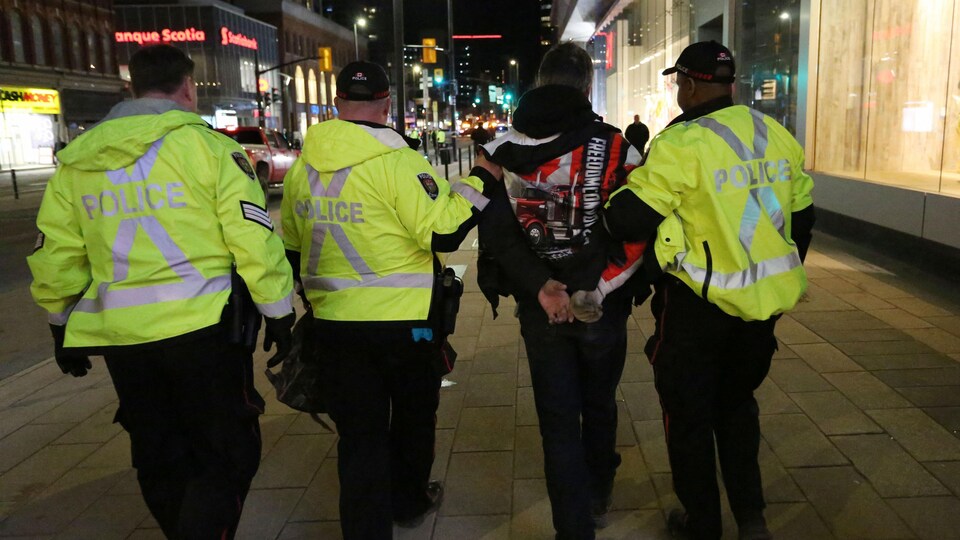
<point x="517" y="20"/>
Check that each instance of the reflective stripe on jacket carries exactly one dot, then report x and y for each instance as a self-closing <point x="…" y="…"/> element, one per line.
<point x="141" y="225"/>
<point x="361" y="207"/>
<point x="733" y="178"/>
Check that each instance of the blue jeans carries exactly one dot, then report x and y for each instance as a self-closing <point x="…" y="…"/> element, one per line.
<point x="575" y="369"/>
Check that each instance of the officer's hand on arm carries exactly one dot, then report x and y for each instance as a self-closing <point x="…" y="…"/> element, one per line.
<point x="490" y="166"/>
<point x="555" y="302"/>
<point x="279" y="331"/>
<point x="70" y="362"/>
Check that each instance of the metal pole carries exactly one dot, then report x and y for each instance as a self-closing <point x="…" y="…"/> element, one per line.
<point x="446" y="169"/>
<point x="401" y="105"/>
<point x="356" y="42"/>
<point x="459" y="156"/>
<point x="256" y="84"/>
<point x="13" y="176"/>
<point x="453" y="66"/>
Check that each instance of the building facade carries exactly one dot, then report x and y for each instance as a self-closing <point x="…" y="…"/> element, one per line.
<point x="58" y="75"/>
<point x="226" y="46"/>
<point x="307" y="87"/>
<point x="871" y="88"/>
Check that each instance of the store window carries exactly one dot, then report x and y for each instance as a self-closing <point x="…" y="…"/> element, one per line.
<point x="107" y="45"/>
<point x="887" y="106"/>
<point x="36" y="34"/>
<point x="92" y="52"/>
<point x="950" y="178"/>
<point x="299" y="85"/>
<point x="768" y="46"/>
<point x="312" y="96"/>
<point x="629" y="55"/>
<point x="56" y="43"/>
<point x="248" y="78"/>
<point x="16" y="38"/>
<point x="323" y="88"/>
<point x="76" y="50"/>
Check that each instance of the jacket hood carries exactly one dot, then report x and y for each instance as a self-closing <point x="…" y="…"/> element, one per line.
<point x="125" y="134"/>
<point x="337" y="144"/>
<point x="552" y="109"/>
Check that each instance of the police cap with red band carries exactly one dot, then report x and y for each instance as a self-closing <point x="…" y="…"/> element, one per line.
<point x="705" y="61"/>
<point x="362" y="81"/>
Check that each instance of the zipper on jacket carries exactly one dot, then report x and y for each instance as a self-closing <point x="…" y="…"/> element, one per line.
<point x="706" y="280"/>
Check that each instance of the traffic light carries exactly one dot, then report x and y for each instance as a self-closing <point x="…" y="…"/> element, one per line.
<point x="325" y="59"/>
<point x="508" y="97"/>
<point x="429" y="55"/>
<point x="266" y="99"/>
<point x="438" y="75"/>
<point x="275" y="95"/>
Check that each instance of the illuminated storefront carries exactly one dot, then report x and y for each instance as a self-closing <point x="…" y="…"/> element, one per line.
<point x="28" y="120"/>
<point x="224" y="44"/>
<point x="870" y="87"/>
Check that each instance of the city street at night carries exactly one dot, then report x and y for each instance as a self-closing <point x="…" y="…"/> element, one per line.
<point x="782" y="176"/>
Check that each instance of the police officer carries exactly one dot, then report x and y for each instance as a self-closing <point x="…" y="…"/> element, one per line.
<point x="140" y="227"/>
<point x="735" y="179"/>
<point x="363" y="216"/>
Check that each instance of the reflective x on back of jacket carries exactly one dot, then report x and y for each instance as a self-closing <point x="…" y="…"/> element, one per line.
<point x="735" y="202"/>
<point x="140" y="252"/>
<point x="361" y="208"/>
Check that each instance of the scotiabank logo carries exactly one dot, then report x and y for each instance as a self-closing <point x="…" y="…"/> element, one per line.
<point x="229" y="38"/>
<point x="166" y="35"/>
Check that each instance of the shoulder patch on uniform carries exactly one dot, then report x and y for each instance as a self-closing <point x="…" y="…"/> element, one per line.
<point x="255" y="213"/>
<point x="429" y="185"/>
<point x="241" y="160"/>
<point x="39" y="243"/>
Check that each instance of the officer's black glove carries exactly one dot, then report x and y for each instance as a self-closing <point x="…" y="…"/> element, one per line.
<point x="70" y="362"/>
<point x="279" y="331"/>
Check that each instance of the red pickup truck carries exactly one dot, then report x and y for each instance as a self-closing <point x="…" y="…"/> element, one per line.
<point x="268" y="150"/>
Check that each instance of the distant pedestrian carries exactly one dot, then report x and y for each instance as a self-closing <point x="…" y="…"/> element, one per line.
<point x="637" y="133"/>
<point x="480" y="136"/>
<point x="139" y="229"/>
<point x="734" y="178"/>
<point x="364" y="217"/>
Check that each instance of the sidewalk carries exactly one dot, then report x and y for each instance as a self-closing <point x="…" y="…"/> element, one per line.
<point x="860" y="420"/>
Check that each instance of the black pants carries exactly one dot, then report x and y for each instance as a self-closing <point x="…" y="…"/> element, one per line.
<point x="382" y="390"/>
<point x="706" y="366"/>
<point x="192" y="414"/>
<point x="574" y="371"/>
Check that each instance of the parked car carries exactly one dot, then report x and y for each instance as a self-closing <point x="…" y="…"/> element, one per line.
<point x="269" y="152"/>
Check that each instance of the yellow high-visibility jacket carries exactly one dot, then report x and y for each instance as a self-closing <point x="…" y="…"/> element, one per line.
<point x="361" y="207"/>
<point x="733" y="178"/>
<point x="140" y="226"/>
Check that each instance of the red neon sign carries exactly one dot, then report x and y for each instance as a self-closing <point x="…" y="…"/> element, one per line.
<point x="166" y="35"/>
<point x="229" y="38"/>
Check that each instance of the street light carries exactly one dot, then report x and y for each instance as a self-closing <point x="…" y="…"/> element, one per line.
<point x="361" y="22"/>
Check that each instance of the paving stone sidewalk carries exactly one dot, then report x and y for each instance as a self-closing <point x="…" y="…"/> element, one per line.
<point x="860" y="420"/>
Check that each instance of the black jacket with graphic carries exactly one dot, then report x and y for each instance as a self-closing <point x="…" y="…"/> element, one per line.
<point x="561" y="164"/>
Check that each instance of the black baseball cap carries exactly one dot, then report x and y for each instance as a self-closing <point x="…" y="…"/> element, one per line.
<point x="703" y="60"/>
<point x="362" y="81"/>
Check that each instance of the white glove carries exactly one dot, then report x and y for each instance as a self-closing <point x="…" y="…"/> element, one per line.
<point x="586" y="305"/>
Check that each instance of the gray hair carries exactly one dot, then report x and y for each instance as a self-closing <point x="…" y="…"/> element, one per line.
<point x="566" y="64"/>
